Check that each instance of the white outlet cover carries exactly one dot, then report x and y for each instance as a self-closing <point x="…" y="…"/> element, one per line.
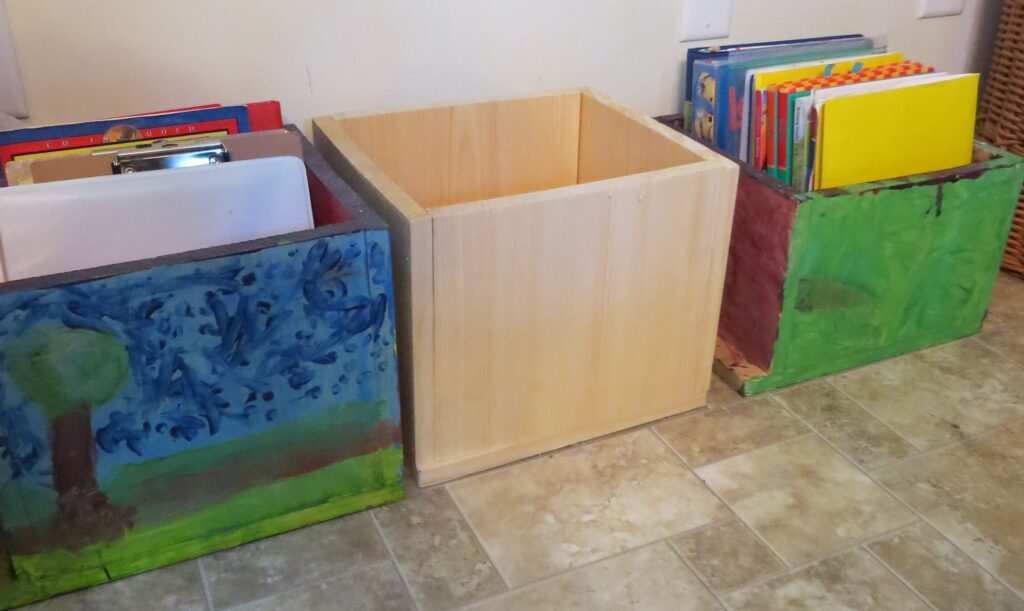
<point x="705" y="19"/>
<point x="939" y="8"/>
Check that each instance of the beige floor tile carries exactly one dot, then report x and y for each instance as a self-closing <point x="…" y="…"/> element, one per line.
<point x="305" y="556"/>
<point x="556" y="512"/>
<point x="1004" y="326"/>
<point x="371" y="587"/>
<point x="172" y="588"/>
<point x="940" y="572"/>
<point x="849" y="581"/>
<point x="441" y="559"/>
<point x="941" y="395"/>
<point x="974" y="494"/>
<point x="651" y="578"/>
<point x="727" y="555"/>
<point x="720" y="394"/>
<point x="804" y="499"/>
<point x="864" y="439"/>
<point x="707" y="436"/>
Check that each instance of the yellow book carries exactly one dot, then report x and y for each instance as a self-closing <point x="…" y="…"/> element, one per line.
<point x="908" y="128"/>
<point x="762" y="78"/>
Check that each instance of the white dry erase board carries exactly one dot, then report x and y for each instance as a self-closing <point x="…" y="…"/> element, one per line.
<point x="78" y="224"/>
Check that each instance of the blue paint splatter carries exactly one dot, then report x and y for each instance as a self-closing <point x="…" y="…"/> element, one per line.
<point x="216" y="347"/>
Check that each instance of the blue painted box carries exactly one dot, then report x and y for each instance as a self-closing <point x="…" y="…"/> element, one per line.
<point x="159" y="410"/>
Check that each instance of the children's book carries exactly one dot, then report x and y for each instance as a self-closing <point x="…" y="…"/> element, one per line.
<point x="897" y="127"/>
<point x="749" y="50"/>
<point x="718" y="86"/>
<point x="71" y="138"/>
<point x="795" y="159"/>
<point x="758" y="102"/>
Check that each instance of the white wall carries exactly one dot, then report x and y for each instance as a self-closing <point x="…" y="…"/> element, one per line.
<point x="87" y="59"/>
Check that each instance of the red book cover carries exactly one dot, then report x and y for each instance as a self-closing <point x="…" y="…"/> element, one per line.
<point x="74" y="138"/>
<point x="768" y="126"/>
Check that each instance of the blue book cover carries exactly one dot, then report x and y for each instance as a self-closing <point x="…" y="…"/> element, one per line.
<point x="694" y="54"/>
<point x="750" y="50"/>
<point x="731" y="82"/>
<point x="706" y="76"/>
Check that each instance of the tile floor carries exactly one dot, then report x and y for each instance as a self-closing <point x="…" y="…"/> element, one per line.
<point x="899" y="485"/>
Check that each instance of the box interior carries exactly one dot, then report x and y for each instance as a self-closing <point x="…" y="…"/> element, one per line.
<point x="455" y="154"/>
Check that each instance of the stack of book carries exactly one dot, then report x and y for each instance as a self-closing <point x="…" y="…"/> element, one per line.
<point x="822" y="113"/>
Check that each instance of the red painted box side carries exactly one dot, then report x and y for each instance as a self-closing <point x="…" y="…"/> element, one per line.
<point x="758" y="257"/>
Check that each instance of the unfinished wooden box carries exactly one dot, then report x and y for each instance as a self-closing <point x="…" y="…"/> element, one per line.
<point x="558" y="265"/>
<point x="158" y="410"/>
<point x="824" y="281"/>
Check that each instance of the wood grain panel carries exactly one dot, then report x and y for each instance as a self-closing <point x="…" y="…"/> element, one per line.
<point x="477" y="151"/>
<point x="539" y="312"/>
<point x="575" y="309"/>
<point x="616" y="142"/>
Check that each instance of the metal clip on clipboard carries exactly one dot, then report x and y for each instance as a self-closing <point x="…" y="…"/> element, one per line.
<point x="166" y="155"/>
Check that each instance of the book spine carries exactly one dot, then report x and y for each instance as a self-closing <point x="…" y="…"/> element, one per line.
<point x="264" y="115"/>
<point x="731" y="107"/>
<point x="769" y="128"/>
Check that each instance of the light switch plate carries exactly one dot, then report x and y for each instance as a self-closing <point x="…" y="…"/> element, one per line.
<point x="705" y="19"/>
<point x="939" y="8"/>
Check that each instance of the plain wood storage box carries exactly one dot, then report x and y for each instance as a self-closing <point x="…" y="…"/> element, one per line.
<point x="158" y="410"/>
<point x="824" y="281"/>
<point x="558" y="264"/>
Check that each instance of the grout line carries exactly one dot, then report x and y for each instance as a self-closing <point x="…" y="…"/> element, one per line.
<point x="885" y="565"/>
<point x="972" y="339"/>
<point x="920" y="515"/>
<point x="950" y="445"/>
<point x="479" y="540"/>
<point x="800" y="567"/>
<point x="996" y="351"/>
<point x="566" y="448"/>
<point x="206" y="584"/>
<point x="723" y="501"/>
<point x="296" y="588"/>
<point x="570" y="570"/>
<point x="666" y="539"/>
<point x="1000" y="354"/>
<point x="842" y="392"/>
<point x="854" y="464"/>
<point x="923" y="518"/>
<point x="809" y="431"/>
<point x="697" y="574"/>
<point x="697" y="529"/>
<point x="394" y="561"/>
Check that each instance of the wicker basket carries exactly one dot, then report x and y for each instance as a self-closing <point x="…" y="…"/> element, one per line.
<point x="1001" y="115"/>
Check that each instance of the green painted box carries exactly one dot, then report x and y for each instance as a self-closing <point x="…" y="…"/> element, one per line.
<point x="829" y="280"/>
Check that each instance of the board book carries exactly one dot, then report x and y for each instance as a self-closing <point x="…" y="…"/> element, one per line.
<point x="760" y="102"/>
<point x="904" y="129"/>
<point x="792" y="145"/>
<point x="749" y="50"/>
<point x="718" y="86"/>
